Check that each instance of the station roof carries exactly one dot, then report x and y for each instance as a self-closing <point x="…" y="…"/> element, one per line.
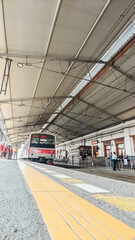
<point x="69" y="66"/>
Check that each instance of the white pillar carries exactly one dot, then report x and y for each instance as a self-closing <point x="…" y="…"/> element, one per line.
<point x="132" y="146"/>
<point x="127" y="142"/>
<point x="100" y="146"/>
<point x="113" y="146"/>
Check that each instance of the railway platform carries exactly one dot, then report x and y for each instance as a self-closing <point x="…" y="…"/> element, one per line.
<point x="41" y="201"/>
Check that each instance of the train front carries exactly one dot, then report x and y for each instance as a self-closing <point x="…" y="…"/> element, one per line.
<point x="41" y="147"/>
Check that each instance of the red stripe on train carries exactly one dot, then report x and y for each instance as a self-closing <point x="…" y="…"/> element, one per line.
<point x="40" y="151"/>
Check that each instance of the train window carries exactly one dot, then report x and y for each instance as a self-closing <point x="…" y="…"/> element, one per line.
<point x="42" y="141"/>
<point x="47" y="141"/>
<point x="35" y="139"/>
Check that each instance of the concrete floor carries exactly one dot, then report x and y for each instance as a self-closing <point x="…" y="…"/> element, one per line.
<point x="20" y="217"/>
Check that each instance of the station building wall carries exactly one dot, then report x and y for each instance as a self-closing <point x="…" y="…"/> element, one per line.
<point x="119" y="139"/>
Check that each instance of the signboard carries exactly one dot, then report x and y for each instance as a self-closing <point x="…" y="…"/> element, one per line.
<point x="35" y="136"/>
<point x="94" y="142"/>
<point x="121" y="145"/>
<point x="43" y="136"/>
<point x="108" y="147"/>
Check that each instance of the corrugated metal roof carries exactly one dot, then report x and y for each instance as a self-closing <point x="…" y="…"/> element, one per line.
<point x="32" y="30"/>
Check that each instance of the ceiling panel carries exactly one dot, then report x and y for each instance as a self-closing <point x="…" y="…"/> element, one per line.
<point x="110" y="24"/>
<point x="23" y="80"/>
<point x="6" y="110"/>
<point x="75" y="19"/>
<point x="28" y="25"/>
<point x="40" y="35"/>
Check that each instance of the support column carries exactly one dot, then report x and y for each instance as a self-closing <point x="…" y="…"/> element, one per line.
<point x="127" y="142"/>
<point x="113" y="146"/>
<point x="100" y="146"/>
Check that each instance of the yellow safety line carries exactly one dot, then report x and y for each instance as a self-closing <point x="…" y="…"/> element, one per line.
<point x="124" y="203"/>
<point x="70" y="217"/>
<point x="72" y="180"/>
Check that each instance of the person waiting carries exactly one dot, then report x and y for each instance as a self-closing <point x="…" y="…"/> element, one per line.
<point x="10" y="152"/>
<point x="114" y="160"/>
<point x="121" y="160"/>
<point x="15" y="151"/>
<point x="4" y="151"/>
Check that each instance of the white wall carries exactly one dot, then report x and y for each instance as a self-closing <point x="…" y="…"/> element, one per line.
<point x="124" y="130"/>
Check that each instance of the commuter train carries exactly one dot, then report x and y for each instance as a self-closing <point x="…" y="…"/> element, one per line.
<point x="39" y="147"/>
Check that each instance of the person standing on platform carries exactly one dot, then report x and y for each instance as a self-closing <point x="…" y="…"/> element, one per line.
<point x="5" y="151"/>
<point x="1" y="149"/>
<point x="114" y="159"/>
<point x="121" y="160"/>
<point x="118" y="163"/>
<point x="15" y="151"/>
<point x="10" y="152"/>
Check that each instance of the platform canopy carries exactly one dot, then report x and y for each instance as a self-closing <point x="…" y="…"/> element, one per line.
<point x="67" y="67"/>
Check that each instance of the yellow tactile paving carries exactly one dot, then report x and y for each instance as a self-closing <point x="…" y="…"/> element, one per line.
<point x="70" y="217"/>
<point x="72" y="180"/>
<point x="126" y="204"/>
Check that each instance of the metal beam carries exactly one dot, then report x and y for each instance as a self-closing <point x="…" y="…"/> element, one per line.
<point x="94" y="82"/>
<point x="42" y="57"/>
<point x="103" y="71"/>
<point x="56" y="13"/>
<point x="130" y="109"/>
<point x="99" y="109"/>
<point x="69" y="60"/>
<point x="33" y="99"/>
<point x="24" y="132"/>
<point x="89" y="116"/>
<point x="18" y="136"/>
<point x="65" y="129"/>
<point x="5" y="77"/>
<point x="45" y="57"/>
<point x="57" y="136"/>
<point x="81" y="47"/>
<point x="4" y="24"/>
<point x="19" y="117"/>
<point x="78" y="121"/>
<point x="21" y="127"/>
<point x="123" y="72"/>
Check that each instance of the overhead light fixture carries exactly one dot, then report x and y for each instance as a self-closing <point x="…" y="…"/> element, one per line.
<point x="20" y="65"/>
<point x="5" y="77"/>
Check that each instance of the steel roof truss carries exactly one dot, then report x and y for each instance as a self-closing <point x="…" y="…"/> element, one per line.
<point x="65" y="129"/>
<point x="78" y="121"/>
<point x="99" y="109"/>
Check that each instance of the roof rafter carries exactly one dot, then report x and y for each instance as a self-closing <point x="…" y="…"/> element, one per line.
<point x="99" y="109"/>
<point x="57" y="125"/>
<point x="33" y="99"/>
<point x="78" y="121"/>
<point x="103" y="70"/>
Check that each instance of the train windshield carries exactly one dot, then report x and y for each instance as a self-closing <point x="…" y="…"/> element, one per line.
<point x="42" y="141"/>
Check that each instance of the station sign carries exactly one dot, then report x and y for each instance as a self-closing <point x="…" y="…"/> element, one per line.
<point x="94" y="142"/>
